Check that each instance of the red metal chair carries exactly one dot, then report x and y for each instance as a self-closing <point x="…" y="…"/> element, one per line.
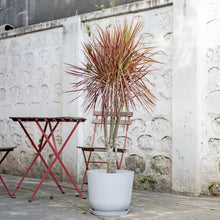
<point x="87" y="156"/>
<point x="6" y="150"/>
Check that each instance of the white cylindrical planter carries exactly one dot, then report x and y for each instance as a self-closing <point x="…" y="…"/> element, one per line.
<point x="110" y="193"/>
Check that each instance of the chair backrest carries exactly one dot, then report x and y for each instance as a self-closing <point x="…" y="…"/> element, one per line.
<point x="126" y="115"/>
<point x="125" y="121"/>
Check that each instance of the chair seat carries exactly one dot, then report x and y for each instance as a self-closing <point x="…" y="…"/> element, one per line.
<point x="124" y="122"/>
<point x="99" y="149"/>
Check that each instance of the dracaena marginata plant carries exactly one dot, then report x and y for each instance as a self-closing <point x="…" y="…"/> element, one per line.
<point x="114" y="77"/>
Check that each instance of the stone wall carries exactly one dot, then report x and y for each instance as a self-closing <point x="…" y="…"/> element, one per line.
<point x="176" y="147"/>
<point x="31" y="85"/>
<point x="33" y="58"/>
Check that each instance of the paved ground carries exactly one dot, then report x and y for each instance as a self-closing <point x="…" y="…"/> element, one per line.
<point x="50" y="204"/>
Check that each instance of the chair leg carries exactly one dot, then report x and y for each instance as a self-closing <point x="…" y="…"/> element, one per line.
<point x="84" y="178"/>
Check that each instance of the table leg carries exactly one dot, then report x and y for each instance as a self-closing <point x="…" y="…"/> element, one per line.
<point x="22" y="179"/>
<point x="57" y="157"/>
<point x="41" y="147"/>
<point x="5" y="155"/>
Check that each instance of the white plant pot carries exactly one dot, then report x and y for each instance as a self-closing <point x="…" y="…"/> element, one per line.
<point x="110" y="193"/>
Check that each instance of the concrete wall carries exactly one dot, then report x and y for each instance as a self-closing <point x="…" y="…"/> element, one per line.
<point x="186" y="98"/>
<point x="33" y="57"/>
<point x="176" y="147"/>
<point x="196" y="104"/>
<point x="209" y="62"/>
<point x="32" y="83"/>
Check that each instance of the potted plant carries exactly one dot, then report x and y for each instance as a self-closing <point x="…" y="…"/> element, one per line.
<point x="114" y="78"/>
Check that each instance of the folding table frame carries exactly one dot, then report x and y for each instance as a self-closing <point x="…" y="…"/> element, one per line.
<point x="43" y="123"/>
<point x="6" y="150"/>
<point x="87" y="158"/>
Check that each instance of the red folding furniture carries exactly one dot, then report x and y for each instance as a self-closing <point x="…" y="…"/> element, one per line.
<point x="6" y="150"/>
<point x="47" y="127"/>
<point x="87" y="151"/>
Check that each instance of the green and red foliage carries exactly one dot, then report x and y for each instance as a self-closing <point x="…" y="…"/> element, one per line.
<point x="114" y="76"/>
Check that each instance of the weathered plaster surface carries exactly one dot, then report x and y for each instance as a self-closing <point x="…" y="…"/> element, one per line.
<point x="176" y="147"/>
<point x="31" y="85"/>
<point x="186" y="99"/>
<point x="196" y="104"/>
<point x="210" y="69"/>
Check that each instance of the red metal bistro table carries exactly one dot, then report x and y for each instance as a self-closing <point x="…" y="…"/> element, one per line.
<point x="47" y="126"/>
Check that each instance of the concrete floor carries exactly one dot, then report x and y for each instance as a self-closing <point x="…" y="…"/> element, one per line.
<point x="50" y="204"/>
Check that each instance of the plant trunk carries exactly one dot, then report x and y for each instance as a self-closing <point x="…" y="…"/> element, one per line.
<point x="111" y="163"/>
<point x="111" y="145"/>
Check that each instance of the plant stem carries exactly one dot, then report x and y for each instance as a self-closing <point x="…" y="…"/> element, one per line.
<point x="111" y="165"/>
<point x="118" y="118"/>
<point x="112" y="123"/>
<point x="105" y="129"/>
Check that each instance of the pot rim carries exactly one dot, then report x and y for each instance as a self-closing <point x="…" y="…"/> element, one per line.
<point x="103" y="171"/>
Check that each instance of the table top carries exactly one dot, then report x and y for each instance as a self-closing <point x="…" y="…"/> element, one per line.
<point x="7" y="148"/>
<point x="52" y="119"/>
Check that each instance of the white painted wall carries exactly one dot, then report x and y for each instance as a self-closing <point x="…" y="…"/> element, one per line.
<point x="179" y="141"/>
<point x="196" y="104"/>
<point x="209" y="62"/>
<point x="186" y="99"/>
<point x="155" y="129"/>
<point x="31" y="85"/>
